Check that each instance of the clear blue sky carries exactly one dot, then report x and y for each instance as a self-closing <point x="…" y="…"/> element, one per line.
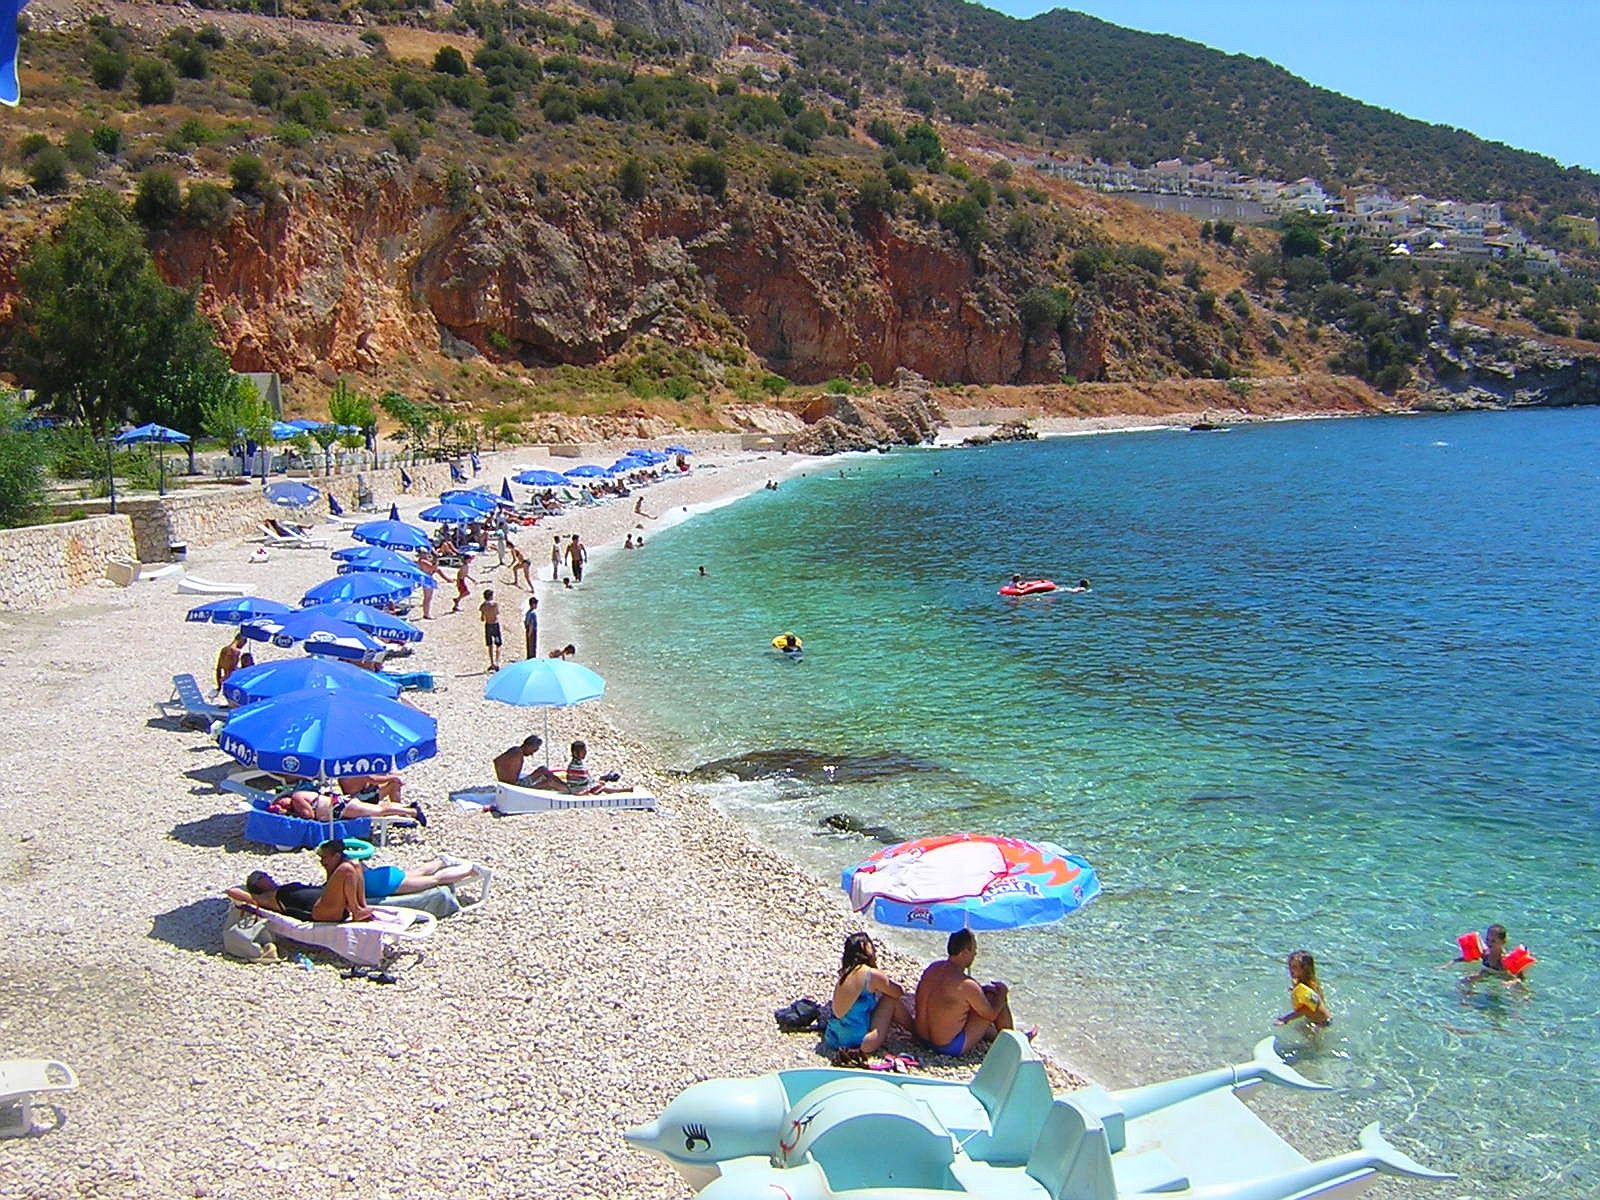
<point x="1524" y="74"/>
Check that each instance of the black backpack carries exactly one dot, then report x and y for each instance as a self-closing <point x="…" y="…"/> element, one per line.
<point x="802" y="1016"/>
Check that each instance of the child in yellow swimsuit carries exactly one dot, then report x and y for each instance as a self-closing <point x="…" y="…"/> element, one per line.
<point x="1305" y="992"/>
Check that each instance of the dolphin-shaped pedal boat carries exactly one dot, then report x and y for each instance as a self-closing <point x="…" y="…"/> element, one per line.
<point x="712" y="1128"/>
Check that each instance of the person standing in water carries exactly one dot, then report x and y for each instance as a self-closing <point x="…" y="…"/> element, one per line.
<point x="1305" y="993"/>
<point x="555" y="560"/>
<point x="577" y="555"/>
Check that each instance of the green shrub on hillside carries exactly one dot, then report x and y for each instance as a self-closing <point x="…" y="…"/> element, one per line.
<point x="154" y="82"/>
<point x="47" y="171"/>
<point x="80" y="150"/>
<point x="268" y="87"/>
<point x="158" y="200"/>
<point x="31" y="144"/>
<point x="709" y="174"/>
<point x="207" y="206"/>
<point x="107" y="140"/>
<point x="251" y="178"/>
<point x="632" y="182"/>
<point x="23" y="455"/>
<point x="108" y="68"/>
<point x="786" y="183"/>
<point x="407" y="143"/>
<point x="448" y="61"/>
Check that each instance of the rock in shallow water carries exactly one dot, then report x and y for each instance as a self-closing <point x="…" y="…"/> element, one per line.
<point x="812" y="766"/>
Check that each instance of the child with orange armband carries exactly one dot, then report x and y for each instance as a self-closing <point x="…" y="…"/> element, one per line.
<point x="1493" y="959"/>
<point x="1305" y="993"/>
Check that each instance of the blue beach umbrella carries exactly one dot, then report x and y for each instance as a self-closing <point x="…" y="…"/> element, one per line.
<point x="387" y="562"/>
<point x="679" y="450"/>
<point x="392" y="535"/>
<point x="585" y="472"/>
<point x="505" y="491"/>
<point x="321" y="633"/>
<point x="373" y="622"/>
<point x="970" y="881"/>
<point x="394" y="511"/>
<point x="306" y="423"/>
<point x="161" y="436"/>
<point x="481" y="502"/>
<point x="328" y="734"/>
<point x="265" y="680"/>
<point x="363" y="587"/>
<point x="282" y="431"/>
<point x="544" y="683"/>
<point x="236" y="610"/>
<point x="450" y="514"/>
<point x="538" y="478"/>
<point x="291" y="493"/>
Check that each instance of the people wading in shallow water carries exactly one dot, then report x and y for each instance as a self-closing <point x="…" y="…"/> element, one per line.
<point x="577" y="556"/>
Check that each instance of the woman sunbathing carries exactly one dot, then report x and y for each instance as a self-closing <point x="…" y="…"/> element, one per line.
<point x="300" y="900"/>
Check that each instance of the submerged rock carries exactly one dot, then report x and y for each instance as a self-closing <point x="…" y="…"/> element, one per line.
<point x="812" y="766"/>
<point x="845" y="823"/>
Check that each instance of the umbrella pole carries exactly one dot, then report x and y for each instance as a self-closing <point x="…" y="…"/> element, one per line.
<point x="547" y="739"/>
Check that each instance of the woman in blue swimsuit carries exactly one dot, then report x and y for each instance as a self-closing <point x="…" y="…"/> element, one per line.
<point x="865" y="1001"/>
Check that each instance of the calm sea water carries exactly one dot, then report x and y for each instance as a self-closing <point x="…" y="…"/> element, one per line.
<point x="1335" y="687"/>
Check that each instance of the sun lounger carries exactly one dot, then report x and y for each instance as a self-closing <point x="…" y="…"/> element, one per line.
<point x="154" y="573"/>
<point x="189" y="704"/>
<point x="374" y="943"/>
<point x="21" y="1079"/>
<point x="285" y="832"/>
<point x="193" y="585"/>
<point x="509" y="798"/>
<point x="290" y="541"/>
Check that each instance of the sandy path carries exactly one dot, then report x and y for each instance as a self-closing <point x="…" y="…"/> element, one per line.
<point x="623" y="955"/>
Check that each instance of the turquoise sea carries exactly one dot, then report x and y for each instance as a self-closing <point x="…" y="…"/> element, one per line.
<point x="1336" y="686"/>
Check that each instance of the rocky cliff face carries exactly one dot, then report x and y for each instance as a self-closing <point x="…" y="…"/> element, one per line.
<point x="370" y="265"/>
<point x="697" y="24"/>
<point x="1472" y="367"/>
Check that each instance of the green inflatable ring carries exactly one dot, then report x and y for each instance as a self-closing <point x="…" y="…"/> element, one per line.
<point x="357" y="850"/>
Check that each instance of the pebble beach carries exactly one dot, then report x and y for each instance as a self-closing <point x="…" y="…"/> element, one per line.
<point x="622" y="956"/>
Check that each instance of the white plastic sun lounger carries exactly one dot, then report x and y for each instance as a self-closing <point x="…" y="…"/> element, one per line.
<point x="374" y="943"/>
<point x="293" y="542"/>
<point x="189" y="704"/>
<point x="509" y="798"/>
<point x="21" y="1079"/>
<point x="193" y="585"/>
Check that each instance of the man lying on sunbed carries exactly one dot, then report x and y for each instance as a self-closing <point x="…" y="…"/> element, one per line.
<point x="323" y="806"/>
<point x="300" y="900"/>
<point x="508" y="767"/>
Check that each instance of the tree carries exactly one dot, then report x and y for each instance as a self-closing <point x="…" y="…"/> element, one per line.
<point x="239" y="412"/>
<point x="22" y="463"/>
<point x="99" y="335"/>
<point x="350" y="408"/>
<point x="1300" y="240"/>
<point x="448" y="61"/>
<point x="415" y="420"/>
<point x="108" y="68"/>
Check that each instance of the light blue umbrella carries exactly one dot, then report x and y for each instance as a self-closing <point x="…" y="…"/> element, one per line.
<point x="393" y="535"/>
<point x="236" y="610"/>
<point x="282" y="431"/>
<point x="268" y="679"/>
<point x="450" y="514"/>
<point x="291" y="493"/>
<point x="321" y="634"/>
<point x="363" y="587"/>
<point x="538" y="478"/>
<point x="480" y="502"/>
<point x="161" y="436"/>
<point x="326" y="734"/>
<point x="544" y="683"/>
<point x="306" y="423"/>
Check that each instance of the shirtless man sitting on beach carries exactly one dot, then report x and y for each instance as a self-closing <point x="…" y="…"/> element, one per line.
<point x="508" y="766"/>
<point x="953" y="1013"/>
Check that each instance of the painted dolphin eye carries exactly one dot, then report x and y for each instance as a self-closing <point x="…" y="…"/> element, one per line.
<point x="693" y="1134"/>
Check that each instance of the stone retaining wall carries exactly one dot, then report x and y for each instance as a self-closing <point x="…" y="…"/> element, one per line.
<point x="41" y="564"/>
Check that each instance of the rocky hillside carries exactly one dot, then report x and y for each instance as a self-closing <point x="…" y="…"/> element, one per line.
<point x="642" y="209"/>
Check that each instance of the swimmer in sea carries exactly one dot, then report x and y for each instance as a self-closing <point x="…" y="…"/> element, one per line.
<point x="1305" y="993"/>
<point x="1083" y="586"/>
<point x="790" y="644"/>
